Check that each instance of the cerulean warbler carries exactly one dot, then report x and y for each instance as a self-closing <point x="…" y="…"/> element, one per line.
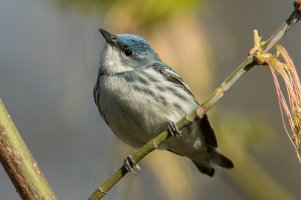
<point x="139" y="96"/>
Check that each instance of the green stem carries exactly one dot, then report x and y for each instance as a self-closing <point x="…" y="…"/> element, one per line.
<point x="246" y="65"/>
<point x="18" y="162"/>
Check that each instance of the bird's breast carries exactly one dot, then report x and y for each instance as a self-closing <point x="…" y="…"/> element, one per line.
<point x="137" y="109"/>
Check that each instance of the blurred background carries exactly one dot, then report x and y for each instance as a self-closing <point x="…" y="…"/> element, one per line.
<point x="48" y="66"/>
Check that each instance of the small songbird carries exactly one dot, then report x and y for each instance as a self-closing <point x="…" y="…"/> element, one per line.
<point x="139" y="96"/>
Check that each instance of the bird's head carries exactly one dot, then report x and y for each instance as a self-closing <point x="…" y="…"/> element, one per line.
<point x="125" y="52"/>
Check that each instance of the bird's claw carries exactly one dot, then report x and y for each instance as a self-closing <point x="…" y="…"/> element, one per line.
<point x="173" y="130"/>
<point x="130" y="165"/>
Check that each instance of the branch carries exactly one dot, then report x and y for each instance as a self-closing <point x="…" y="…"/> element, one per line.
<point x="18" y="162"/>
<point x="199" y="112"/>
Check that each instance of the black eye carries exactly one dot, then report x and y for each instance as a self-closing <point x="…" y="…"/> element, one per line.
<point x="128" y="52"/>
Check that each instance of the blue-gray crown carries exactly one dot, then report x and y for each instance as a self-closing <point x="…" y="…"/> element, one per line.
<point x="136" y="43"/>
<point x="132" y="45"/>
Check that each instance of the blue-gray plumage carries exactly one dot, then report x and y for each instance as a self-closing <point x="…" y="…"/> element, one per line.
<point x="139" y="96"/>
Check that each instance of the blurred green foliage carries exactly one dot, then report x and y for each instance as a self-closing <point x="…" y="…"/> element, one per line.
<point x="249" y="131"/>
<point x="146" y="11"/>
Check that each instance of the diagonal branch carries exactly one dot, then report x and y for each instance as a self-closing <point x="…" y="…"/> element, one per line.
<point x="199" y="112"/>
<point x="19" y="164"/>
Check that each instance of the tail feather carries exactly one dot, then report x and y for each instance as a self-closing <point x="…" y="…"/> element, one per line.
<point x="222" y="160"/>
<point x="215" y="159"/>
<point x="205" y="169"/>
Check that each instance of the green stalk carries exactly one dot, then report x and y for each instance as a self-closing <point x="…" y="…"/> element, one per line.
<point x="18" y="162"/>
<point x="246" y="65"/>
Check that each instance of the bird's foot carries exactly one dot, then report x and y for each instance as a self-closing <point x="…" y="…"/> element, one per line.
<point x="130" y="164"/>
<point x="173" y="130"/>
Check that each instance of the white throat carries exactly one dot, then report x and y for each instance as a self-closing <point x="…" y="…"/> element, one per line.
<point x="111" y="60"/>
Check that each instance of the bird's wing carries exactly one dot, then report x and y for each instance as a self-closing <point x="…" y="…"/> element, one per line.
<point x="173" y="77"/>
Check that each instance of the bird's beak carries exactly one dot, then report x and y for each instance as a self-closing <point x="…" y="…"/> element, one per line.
<point x="110" y="38"/>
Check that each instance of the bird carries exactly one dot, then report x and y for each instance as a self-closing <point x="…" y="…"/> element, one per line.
<point x="139" y="96"/>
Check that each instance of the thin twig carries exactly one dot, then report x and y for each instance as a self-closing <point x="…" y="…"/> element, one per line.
<point x="246" y="65"/>
<point x="19" y="164"/>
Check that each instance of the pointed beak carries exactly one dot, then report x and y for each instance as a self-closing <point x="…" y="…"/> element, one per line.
<point x="110" y="38"/>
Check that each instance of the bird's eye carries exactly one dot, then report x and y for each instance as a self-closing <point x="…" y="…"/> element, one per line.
<point x="128" y="52"/>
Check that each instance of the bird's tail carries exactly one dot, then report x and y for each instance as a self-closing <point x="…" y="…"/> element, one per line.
<point x="215" y="159"/>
